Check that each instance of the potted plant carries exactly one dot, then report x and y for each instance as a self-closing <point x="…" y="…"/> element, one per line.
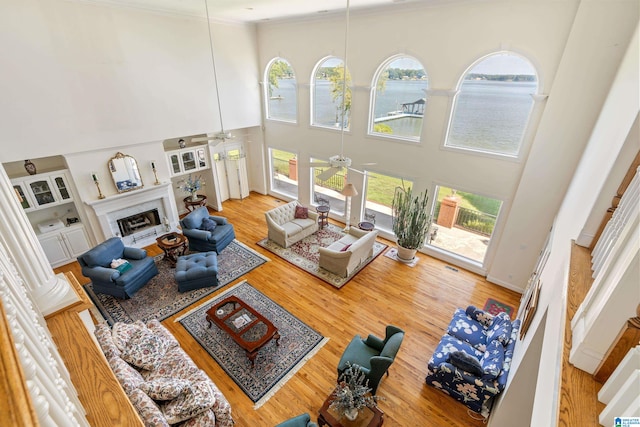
<point x="352" y="393"/>
<point x="411" y="222"/>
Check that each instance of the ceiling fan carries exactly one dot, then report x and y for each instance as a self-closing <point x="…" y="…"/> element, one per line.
<point x="339" y="162"/>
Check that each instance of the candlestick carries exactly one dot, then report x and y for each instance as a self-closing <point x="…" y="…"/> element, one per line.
<point x="100" y="195"/>
<point x="153" y="167"/>
<point x="94" y="176"/>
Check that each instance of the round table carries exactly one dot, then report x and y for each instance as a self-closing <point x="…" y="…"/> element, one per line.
<point x="191" y="205"/>
<point x="173" y="245"/>
<point x="366" y="226"/>
<point x="323" y="215"/>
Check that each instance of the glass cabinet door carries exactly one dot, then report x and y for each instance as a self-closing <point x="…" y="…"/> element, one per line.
<point x="174" y="159"/>
<point x="61" y="185"/>
<point x="22" y="196"/>
<point x="42" y="192"/>
<point x="201" y="154"/>
<point x="188" y="161"/>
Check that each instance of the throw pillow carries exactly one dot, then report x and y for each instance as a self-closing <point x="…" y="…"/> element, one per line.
<point x="466" y="362"/>
<point x="301" y="212"/>
<point x="145" y="350"/>
<point x="345" y="248"/>
<point x="197" y="398"/>
<point x="208" y="224"/>
<point x="122" y="333"/>
<point x="164" y="388"/>
<point x="148" y="409"/>
<point x="493" y="360"/>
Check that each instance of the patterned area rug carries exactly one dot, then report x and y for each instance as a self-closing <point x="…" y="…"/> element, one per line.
<point x="160" y="298"/>
<point x="304" y="254"/>
<point x="494" y="307"/>
<point x="274" y="364"/>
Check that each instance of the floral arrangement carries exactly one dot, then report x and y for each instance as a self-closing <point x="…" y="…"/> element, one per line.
<point x="352" y="392"/>
<point x="191" y="185"/>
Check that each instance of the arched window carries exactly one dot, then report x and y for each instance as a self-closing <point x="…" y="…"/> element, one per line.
<point x="326" y="100"/>
<point x="281" y="94"/>
<point x="492" y="107"/>
<point x="398" y="96"/>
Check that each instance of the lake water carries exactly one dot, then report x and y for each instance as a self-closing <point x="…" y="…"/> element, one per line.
<point x="493" y="112"/>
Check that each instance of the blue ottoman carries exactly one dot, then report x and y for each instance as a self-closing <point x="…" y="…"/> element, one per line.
<point x="197" y="271"/>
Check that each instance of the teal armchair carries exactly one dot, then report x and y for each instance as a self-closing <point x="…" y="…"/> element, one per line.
<point x="373" y="355"/>
<point x="303" y="420"/>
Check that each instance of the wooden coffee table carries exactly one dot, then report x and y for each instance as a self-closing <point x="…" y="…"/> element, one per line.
<point x="250" y="329"/>
<point x="368" y="417"/>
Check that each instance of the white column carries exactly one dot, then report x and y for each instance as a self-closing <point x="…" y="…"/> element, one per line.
<point x="50" y="292"/>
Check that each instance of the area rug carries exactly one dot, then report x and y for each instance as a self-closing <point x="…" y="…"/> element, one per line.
<point x="494" y="307"/>
<point x="393" y="254"/>
<point x="160" y="298"/>
<point x="274" y="364"/>
<point x="305" y="255"/>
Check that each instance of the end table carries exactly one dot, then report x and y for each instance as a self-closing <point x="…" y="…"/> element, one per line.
<point x="173" y="245"/>
<point x="191" y="205"/>
<point x="323" y="215"/>
<point x="368" y="417"/>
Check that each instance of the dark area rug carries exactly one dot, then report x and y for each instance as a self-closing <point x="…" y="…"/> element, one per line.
<point x="494" y="307"/>
<point x="274" y="364"/>
<point x="160" y="298"/>
<point x="305" y="255"/>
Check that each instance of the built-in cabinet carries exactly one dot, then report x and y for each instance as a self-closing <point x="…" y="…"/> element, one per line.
<point x="64" y="245"/>
<point x="42" y="190"/>
<point x="187" y="160"/>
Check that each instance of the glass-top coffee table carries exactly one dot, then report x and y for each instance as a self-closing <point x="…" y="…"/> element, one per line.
<point x="250" y="329"/>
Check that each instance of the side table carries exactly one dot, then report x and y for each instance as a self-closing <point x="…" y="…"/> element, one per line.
<point x="368" y="417"/>
<point x="191" y="205"/>
<point x="323" y="215"/>
<point x="173" y="245"/>
<point x="366" y="226"/>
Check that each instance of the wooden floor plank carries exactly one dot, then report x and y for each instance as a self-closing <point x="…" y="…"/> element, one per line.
<point x="420" y="300"/>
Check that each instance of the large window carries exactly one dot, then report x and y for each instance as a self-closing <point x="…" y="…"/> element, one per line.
<point x="492" y="108"/>
<point x="399" y="98"/>
<point x="284" y="172"/>
<point x="327" y="94"/>
<point x="463" y="223"/>
<point x="379" y="197"/>
<point x="281" y="94"/>
<point x="329" y="190"/>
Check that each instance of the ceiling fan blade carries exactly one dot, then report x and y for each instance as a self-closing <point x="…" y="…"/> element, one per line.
<point x="325" y="175"/>
<point x="319" y="164"/>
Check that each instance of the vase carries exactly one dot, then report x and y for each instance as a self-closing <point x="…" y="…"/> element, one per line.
<point x="351" y="414"/>
<point x="194" y="197"/>
<point x="30" y="167"/>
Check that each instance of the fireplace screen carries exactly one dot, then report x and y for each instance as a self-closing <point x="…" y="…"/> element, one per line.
<point x="138" y="222"/>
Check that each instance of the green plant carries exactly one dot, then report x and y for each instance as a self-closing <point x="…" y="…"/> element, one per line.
<point x="352" y="391"/>
<point x="411" y="221"/>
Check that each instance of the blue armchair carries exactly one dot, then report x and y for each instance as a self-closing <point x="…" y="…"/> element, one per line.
<point x="303" y="420"/>
<point x="472" y="360"/>
<point x="123" y="283"/>
<point x="373" y="355"/>
<point x="204" y="237"/>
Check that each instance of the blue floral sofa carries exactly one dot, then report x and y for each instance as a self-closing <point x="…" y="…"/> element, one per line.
<point x="472" y="360"/>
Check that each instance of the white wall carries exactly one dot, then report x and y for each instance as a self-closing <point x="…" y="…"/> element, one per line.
<point x="78" y="76"/>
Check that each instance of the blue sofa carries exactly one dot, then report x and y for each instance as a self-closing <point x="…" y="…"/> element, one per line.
<point x="472" y="360"/>
<point x="123" y="283"/>
<point x="202" y="240"/>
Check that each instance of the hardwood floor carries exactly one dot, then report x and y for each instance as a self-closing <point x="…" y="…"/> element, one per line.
<point x="419" y="300"/>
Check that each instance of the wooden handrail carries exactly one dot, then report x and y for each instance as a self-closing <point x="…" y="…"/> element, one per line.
<point x="16" y="406"/>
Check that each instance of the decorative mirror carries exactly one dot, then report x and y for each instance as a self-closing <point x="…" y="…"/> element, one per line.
<point x="125" y="173"/>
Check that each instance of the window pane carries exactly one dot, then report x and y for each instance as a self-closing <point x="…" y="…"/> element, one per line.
<point x="400" y="99"/>
<point x="328" y="191"/>
<point x="379" y="197"/>
<point x="281" y="91"/>
<point x="327" y="94"/>
<point x="463" y="223"/>
<point x="284" y="172"/>
<point x="492" y="108"/>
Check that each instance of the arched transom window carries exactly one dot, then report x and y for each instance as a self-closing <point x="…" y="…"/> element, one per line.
<point x="281" y="94"/>
<point x="491" y="110"/>
<point x="399" y="97"/>
<point x="327" y="94"/>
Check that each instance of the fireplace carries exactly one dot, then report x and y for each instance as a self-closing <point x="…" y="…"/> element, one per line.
<point x="138" y="222"/>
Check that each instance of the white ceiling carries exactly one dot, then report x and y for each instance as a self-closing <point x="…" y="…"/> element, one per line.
<point x="255" y="10"/>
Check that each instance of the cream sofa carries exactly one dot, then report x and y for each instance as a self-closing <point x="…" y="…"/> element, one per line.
<point x="345" y="255"/>
<point x="162" y="382"/>
<point x="285" y="229"/>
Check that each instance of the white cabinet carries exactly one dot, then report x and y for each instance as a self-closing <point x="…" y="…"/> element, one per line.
<point x="64" y="245"/>
<point x="187" y="160"/>
<point x="43" y="190"/>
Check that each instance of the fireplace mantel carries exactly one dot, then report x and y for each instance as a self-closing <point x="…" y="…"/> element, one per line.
<point x="109" y="209"/>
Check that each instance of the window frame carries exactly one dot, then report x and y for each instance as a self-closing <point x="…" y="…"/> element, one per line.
<point x="272" y="186"/>
<point x="312" y="96"/>
<point x="267" y="96"/>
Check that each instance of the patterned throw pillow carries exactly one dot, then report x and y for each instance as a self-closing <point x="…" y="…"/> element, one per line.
<point x="208" y="224"/>
<point x="165" y="388"/>
<point x="466" y="362"/>
<point x="195" y="399"/>
<point x="148" y="409"/>
<point x="145" y="350"/>
<point x="122" y="333"/>
<point x="301" y="212"/>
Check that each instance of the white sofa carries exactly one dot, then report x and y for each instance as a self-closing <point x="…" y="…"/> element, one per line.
<point x="345" y="255"/>
<point x="285" y="229"/>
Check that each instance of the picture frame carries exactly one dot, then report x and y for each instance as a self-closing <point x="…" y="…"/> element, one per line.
<point x="530" y="308"/>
